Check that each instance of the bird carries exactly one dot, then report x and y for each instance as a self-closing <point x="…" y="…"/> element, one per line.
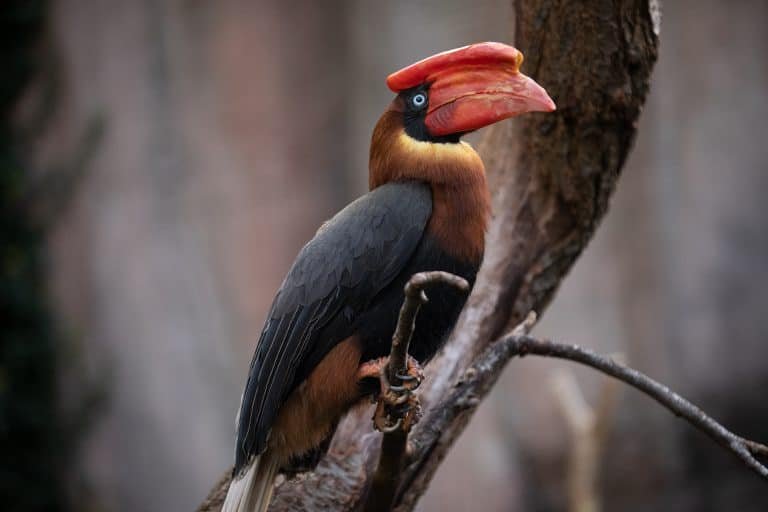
<point x="329" y="329"/>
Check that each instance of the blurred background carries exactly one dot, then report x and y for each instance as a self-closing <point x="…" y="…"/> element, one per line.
<point x="163" y="161"/>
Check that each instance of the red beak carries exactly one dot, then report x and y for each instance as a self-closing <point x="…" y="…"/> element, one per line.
<point x="472" y="87"/>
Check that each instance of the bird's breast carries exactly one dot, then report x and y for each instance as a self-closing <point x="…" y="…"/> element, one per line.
<point x="436" y="318"/>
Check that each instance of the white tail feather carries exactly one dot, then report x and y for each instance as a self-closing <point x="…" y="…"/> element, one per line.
<point x="252" y="490"/>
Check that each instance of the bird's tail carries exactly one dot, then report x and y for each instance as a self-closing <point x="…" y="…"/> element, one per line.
<point x="252" y="490"/>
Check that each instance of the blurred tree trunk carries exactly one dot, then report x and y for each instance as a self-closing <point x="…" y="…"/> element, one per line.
<point x="35" y="439"/>
<point x="212" y="174"/>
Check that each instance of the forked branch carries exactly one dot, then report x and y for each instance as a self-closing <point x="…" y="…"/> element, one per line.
<point x="484" y="371"/>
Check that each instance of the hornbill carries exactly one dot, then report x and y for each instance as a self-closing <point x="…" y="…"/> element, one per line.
<point x="330" y="326"/>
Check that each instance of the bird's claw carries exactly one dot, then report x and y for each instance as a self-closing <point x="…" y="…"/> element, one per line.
<point x="402" y="415"/>
<point x="406" y="377"/>
<point x="382" y="423"/>
<point x="398" y="407"/>
<point x="413" y="375"/>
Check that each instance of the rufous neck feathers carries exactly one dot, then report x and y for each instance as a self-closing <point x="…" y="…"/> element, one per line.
<point x="461" y="203"/>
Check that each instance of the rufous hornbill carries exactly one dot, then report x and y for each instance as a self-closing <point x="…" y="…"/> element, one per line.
<point x="330" y="326"/>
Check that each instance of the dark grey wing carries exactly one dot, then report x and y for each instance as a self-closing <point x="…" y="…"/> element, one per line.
<point x="351" y="259"/>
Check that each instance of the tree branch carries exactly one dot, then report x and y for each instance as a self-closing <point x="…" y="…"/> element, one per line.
<point x="395" y="438"/>
<point x="484" y="372"/>
<point x="415" y="297"/>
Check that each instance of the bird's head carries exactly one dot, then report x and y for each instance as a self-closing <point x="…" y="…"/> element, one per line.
<point x="455" y="92"/>
<point x="445" y="96"/>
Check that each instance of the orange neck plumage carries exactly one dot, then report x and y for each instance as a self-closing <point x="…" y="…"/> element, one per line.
<point x="461" y="203"/>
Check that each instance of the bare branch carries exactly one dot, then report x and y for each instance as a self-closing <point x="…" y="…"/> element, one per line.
<point x="414" y="298"/>
<point x="755" y="448"/>
<point x="395" y="439"/>
<point x="485" y="370"/>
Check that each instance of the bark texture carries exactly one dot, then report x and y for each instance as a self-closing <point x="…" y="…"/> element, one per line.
<point x="552" y="176"/>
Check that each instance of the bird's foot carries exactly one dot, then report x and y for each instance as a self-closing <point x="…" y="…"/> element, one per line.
<point x="403" y="416"/>
<point x="377" y="370"/>
<point x="409" y="381"/>
<point x="398" y="407"/>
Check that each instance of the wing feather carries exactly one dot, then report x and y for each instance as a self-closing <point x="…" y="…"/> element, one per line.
<point x="335" y="276"/>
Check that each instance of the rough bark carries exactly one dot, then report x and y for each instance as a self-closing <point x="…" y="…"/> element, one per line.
<point x="552" y="177"/>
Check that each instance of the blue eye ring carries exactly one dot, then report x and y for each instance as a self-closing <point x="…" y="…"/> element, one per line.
<point x="419" y="100"/>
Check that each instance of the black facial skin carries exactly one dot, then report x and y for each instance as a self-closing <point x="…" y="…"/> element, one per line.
<point x="414" y="117"/>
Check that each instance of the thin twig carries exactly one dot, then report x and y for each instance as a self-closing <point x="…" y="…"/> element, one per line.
<point x="415" y="297"/>
<point x="744" y="449"/>
<point x="484" y="371"/>
<point x="395" y="439"/>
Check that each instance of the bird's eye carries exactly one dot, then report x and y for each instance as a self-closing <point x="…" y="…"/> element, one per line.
<point x="419" y="100"/>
